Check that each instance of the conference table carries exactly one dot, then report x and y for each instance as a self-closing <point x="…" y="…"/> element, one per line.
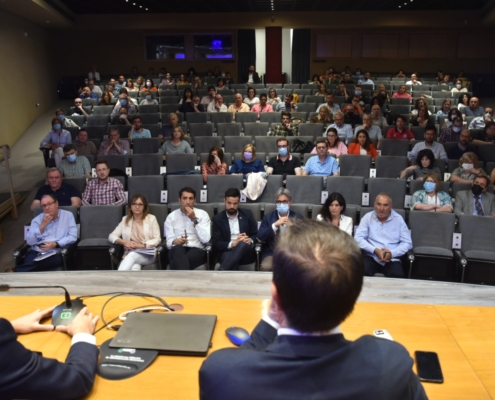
<point x="462" y="335"/>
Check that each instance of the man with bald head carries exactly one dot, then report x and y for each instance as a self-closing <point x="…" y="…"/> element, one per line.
<point x="474" y="109"/>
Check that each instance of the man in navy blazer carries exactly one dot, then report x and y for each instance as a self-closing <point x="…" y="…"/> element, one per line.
<point x="297" y="350"/>
<point x="272" y="224"/>
<point x="233" y="233"/>
<point x="252" y="76"/>
<point x="25" y="374"/>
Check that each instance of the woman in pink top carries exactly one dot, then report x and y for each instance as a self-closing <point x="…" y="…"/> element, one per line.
<point x="335" y="146"/>
<point x="402" y="94"/>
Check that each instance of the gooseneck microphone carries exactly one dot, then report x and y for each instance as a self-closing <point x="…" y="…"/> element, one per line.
<point x="64" y="313"/>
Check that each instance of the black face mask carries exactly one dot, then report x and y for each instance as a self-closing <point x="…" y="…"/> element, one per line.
<point x="211" y="158"/>
<point x="476" y="189"/>
<point x="350" y="114"/>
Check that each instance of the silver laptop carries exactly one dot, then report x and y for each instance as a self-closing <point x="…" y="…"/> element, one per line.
<point x="175" y="334"/>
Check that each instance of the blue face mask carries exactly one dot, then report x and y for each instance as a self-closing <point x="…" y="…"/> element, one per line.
<point x="123" y="102"/>
<point x="357" y="93"/>
<point x="248" y="156"/>
<point x="429" y="186"/>
<point x="283" y="151"/>
<point x="71" y="158"/>
<point x="57" y="127"/>
<point x="61" y="116"/>
<point x="282" y="208"/>
<point x="148" y="97"/>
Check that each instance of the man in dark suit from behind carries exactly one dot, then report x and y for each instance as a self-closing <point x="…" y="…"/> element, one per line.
<point x="297" y="350"/>
<point x="233" y="233"/>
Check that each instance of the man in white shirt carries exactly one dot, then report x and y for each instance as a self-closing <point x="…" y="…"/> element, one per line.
<point x="374" y="131"/>
<point x="187" y="230"/>
<point x="366" y="80"/>
<point x="217" y="105"/>
<point x="342" y="129"/>
<point x="334" y="108"/>
<point x="480" y="122"/>
<point x="414" y="80"/>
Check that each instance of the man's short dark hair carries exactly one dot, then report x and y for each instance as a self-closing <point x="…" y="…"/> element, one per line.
<point x="82" y="130"/>
<point x="187" y="190"/>
<point x="232" y="192"/>
<point x="318" y="273"/>
<point x="211" y="87"/>
<point x="282" y="139"/>
<point x="68" y="147"/>
<point x="286" y="113"/>
<point x="431" y="128"/>
<point x="136" y="117"/>
<point x="263" y="95"/>
<point x="483" y="177"/>
<point x="51" y="196"/>
<point x="323" y="140"/>
<point x="98" y="162"/>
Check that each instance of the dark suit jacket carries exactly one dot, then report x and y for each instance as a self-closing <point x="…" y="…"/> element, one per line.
<point x="256" y="78"/>
<point x="266" y="234"/>
<point x="221" y="229"/>
<point x="24" y="374"/>
<point x="309" y="367"/>
<point x="464" y="203"/>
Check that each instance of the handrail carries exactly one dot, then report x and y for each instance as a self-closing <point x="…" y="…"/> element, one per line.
<point x="4" y="160"/>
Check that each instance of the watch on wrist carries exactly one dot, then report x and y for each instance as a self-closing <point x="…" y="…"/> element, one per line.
<point x="195" y="221"/>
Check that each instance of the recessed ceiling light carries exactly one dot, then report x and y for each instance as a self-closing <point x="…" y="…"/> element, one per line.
<point x="140" y="6"/>
<point x="146" y="9"/>
<point x="399" y="6"/>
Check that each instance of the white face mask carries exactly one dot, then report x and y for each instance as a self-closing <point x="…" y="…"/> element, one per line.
<point x="456" y="129"/>
<point x="467" y="167"/>
<point x="148" y="84"/>
<point x="488" y="116"/>
<point x="458" y="86"/>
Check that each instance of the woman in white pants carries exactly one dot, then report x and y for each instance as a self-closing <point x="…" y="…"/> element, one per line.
<point x="139" y="233"/>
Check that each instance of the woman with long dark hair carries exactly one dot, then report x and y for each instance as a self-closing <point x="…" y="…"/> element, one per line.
<point x="332" y="212"/>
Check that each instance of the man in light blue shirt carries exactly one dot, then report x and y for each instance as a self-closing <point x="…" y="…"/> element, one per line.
<point x="343" y="130"/>
<point x="137" y="131"/>
<point x="374" y="132"/>
<point x="334" y="108"/>
<point x="474" y="109"/>
<point x="323" y="164"/>
<point x="366" y="80"/>
<point x="431" y="144"/>
<point x="383" y="236"/>
<point x="50" y="231"/>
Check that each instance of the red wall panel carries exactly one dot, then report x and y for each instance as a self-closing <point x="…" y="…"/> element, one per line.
<point x="273" y="55"/>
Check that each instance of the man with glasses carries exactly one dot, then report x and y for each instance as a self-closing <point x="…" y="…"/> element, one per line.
<point x="284" y="163"/>
<point x="342" y="128"/>
<point x="274" y="223"/>
<point x="463" y="146"/>
<point x="49" y="233"/>
<point x="104" y="190"/>
<point x="323" y="164"/>
<point x="65" y="193"/>
<point x="430" y="143"/>
<point x="78" y="108"/>
<point x="453" y="132"/>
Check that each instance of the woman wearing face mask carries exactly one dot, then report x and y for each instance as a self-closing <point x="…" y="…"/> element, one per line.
<point x="150" y="85"/>
<point x="431" y="198"/>
<point x="453" y="113"/>
<point x="444" y="111"/>
<point x="148" y="99"/>
<point x="248" y="162"/>
<point x="66" y="122"/>
<point x="333" y="213"/>
<point x="214" y="165"/>
<point x="468" y="169"/>
<point x="425" y="164"/>
<point x="402" y="93"/>
<point x="421" y="119"/>
<point x="459" y="87"/>
<point x="363" y="145"/>
<point x="56" y="139"/>
<point x="187" y="96"/>
<point x="421" y="102"/>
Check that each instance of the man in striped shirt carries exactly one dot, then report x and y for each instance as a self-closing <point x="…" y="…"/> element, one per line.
<point x="104" y="190"/>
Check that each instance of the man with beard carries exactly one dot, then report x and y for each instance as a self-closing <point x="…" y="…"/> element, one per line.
<point x="233" y="234"/>
<point x="430" y="143"/>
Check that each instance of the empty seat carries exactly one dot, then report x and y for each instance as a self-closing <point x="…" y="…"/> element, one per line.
<point x="394" y="147"/>
<point x="97" y="132"/>
<point x="266" y="143"/>
<point x="119" y="162"/>
<point x="141" y="146"/>
<point x="203" y="144"/>
<point x="351" y="187"/>
<point x="220" y="117"/>
<point x="201" y="129"/>
<point x="308" y="129"/>
<point x="399" y="101"/>
<point x="243" y="117"/>
<point x="395" y="188"/>
<point x="235" y="144"/>
<point x="149" y="109"/>
<point x="149" y="186"/>
<point x="78" y="183"/>
<point x="273" y="184"/>
<point x="355" y="165"/>
<point x="146" y="164"/>
<point x="149" y="118"/>
<point x="256" y="129"/>
<point x="270" y="118"/>
<point x="228" y="129"/>
<point x="305" y="189"/>
<point x="218" y="184"/>
<point x="93" y="120"/>
<point x="170" y="100"/>
<point x="180" y="162"/>
<point x="390" y="166"/>
<point x="306" y="107"/>
<point x="102" y="110"/>
<point x="196" y="118"/>
<point x="400" y="109"/>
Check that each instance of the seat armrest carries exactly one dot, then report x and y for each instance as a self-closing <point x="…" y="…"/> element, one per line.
<point x="20" y="251"/>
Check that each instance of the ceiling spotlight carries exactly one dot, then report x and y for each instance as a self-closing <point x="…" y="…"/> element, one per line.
<point x="399" y="6"/>
<point x="140" y="6"/>
<point x="146" y="9"/>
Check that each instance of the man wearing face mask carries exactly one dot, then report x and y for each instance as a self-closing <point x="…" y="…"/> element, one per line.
<point x="284" y="163"/>
<point x="66" y="122"/>
<point x="285" y="128"/>
<point x="124" y="102"/>
<point x="74" y="166"/>
<point x="476" y="201"/>
<point x="274" y="223"/>
<point x="480" y="122"/>
<point x="452" y="133"/>
<point x="56" y="139"/>
<point x="358" y="93"/>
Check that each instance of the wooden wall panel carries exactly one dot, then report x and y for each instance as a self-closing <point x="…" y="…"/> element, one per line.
<point x="419" y="46"/>
<point x="334" y="45"/>
<point x="380" y="46"/>
<point x="467" y="46"/>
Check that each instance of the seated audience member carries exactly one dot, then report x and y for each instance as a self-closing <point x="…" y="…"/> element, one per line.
<point x="273" y="99"/>
<point x="106" y="99"/>
<point x="323" y="164"/>
<point x="131" y="86"/>
<point x="148" y="99"/>
<point x="485" y="137"/>
<point x="191" y="106"/>
<point x="480" y="122"/>
<point x="287" y="105"/>
<point x="182" y="80"/>
<point x="139" y="84"/>
<point x="363" y="145"/>
<point x="425" y="164"/>
<point x="377" y="118"/>
<point x="273" y="224"/>
<point x="458" y="87"/>
<point x="114" y="145"/>
<point x="53" y="229"/>
<point x="446" y="82"/>
<point x="285" y="128"/>
<point x="233" y="234"/>
<point x="284" y="163"/>
<point x="315" y="80"/>
<point x="168" y="80"/>
<point x="365" y="80"/>
<point x="188" y="230"/>
<point x="476" y="201"/>
<point x="137" y="131"/>
<point x="84" y="147"/>
<point x="341" y="91"/>
<point x="206" y="100"/>
<point x="382" y="92"/>
<point x="197" y="84"/>
<point x="314" y="265"/>
<point x="421" y="102"/>
<point x="335" y="145"/>
<point x="238" y="106"/>
<point x="221" y="84"/>
<point x="137" y="231"/>
<point x="149" y="86"/>
<point x="166" y="130"/>
<point x="104" y="190"/>
<point x="332" y="212"/>
<point x="452" y="133"/>
<point x="322" y="90"/>
<point x="125" y="102"/>
<point x="414" y="80"/>
<point x="248" y="163"/>
<point x="344" y="130"/>
<point x="431" y="198"/>
<point x="176" y="145"/>
<point x="122" y="118"/>
<point x="65" y="193"/>
<point x="358" y="92"/>
<point x="187" y="96"/>
<point x="324" y="117"/>
<point x="228" y="79"/>
<point x="402" y="94"/>
<point x="384" y="237"/>
<point x="347" y="79"/>
<point x="421" y="119"/>
<point x="430" y="143"/>
<point x="94" y="89"/>
<point x="215" y="164"/>
<point x="87" y="94"/>
<point x="56" y="139"/>
<point x="468" y="169"/>
<point x="66" y="122"/>
<point x="400" y="74"/>
<point x="352" y="113"/>
<point x="119" y="85"/>
<point x="400" y="131"/>
<point x="74" y="166"/>
<point x="444" y="111"/>
<point x="252" y="76"/>
<point x="217" y="105"/>
<point x="334" y="108"/>
<point x="26" y="374"/>
<point x="262" y="106"/>
<point x="474" y="109"/>
<point x="463" y="146"/>
<point x="374" y="132"/>
<point x="464" y="100"/>
<point x="453" y="113"/>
